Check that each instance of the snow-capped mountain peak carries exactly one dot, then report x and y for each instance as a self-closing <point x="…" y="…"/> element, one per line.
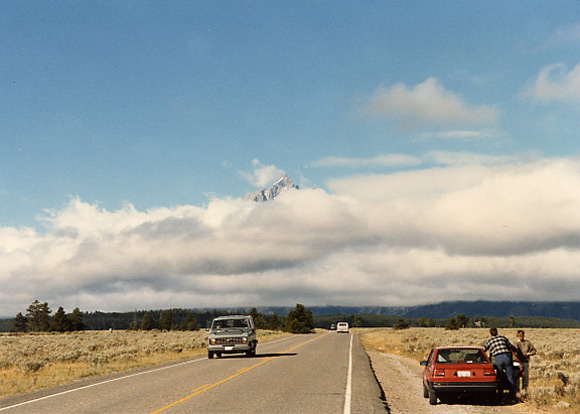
<point x="284" y="183"/>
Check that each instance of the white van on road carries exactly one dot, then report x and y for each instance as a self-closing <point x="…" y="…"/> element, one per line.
<point x="342" y="327"/>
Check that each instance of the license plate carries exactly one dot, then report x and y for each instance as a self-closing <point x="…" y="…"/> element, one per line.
<point x="464" y="374"/>
<point x="229" y="348"/>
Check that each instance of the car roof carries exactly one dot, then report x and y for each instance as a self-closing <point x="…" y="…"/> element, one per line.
<point x="457" y="347"/>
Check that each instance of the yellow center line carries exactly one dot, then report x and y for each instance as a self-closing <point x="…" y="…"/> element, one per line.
<point x="199" y="388"/>
<point x="207" y="387"/>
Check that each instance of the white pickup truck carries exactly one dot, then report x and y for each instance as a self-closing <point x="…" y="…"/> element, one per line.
<point x="232" y="334"/>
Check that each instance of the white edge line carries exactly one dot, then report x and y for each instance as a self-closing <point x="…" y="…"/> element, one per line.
<point x="115" y="379"/>
<point x="348" y="392"/>
<point x="101" y="383"/>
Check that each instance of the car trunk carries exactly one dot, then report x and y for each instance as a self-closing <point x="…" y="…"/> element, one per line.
<point x="462" y="372"/>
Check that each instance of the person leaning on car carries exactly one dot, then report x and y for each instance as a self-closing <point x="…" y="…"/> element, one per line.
<point x="501" y="349"/>
<point x="525" y="349"/>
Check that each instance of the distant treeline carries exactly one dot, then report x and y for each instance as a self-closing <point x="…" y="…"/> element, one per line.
<point x="38" y="319"/>
<point x="190" y="319"/>
<point x="180" y="319"/>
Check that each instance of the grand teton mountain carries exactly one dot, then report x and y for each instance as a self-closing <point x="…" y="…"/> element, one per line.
<point x="283" y="184"/>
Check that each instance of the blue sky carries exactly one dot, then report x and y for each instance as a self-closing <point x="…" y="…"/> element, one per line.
<point x="154" y="112"/>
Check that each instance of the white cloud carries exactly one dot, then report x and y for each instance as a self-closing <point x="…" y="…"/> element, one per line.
<point x="470" y="158"/>
<point x="564" y="35"/>
<point x="404" y="160"/>
<point x="464" y="134"/>
<point x="262" y="175"/>
<point x="428" y="103"/>
<point x="554" y="83"/>
<point x="503" y="230"/>
<point x="388" y="160"/>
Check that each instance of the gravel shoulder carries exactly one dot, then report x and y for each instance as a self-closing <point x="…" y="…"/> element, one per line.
<point x="400" y="379"/>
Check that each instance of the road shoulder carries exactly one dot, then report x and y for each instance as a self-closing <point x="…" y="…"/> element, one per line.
<point x="400" y="379"/>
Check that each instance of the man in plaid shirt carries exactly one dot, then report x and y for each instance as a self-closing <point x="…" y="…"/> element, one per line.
<point x="501" y="349"/>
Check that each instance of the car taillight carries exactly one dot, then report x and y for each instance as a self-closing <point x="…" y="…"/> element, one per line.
<point x="438" y="372"/>
<point x="488" y="372"/>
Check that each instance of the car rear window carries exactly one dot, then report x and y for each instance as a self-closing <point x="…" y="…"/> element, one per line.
<point x="454" y="356"/>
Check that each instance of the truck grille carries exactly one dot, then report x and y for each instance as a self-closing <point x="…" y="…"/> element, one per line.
<point x="228" y="341"/>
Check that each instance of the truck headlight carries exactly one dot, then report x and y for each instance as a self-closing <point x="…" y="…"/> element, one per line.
<point x="212" y="341"/>
<point x="244" y="339"/>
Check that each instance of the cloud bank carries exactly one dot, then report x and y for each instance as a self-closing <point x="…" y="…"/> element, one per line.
<point x="498" y="231"/>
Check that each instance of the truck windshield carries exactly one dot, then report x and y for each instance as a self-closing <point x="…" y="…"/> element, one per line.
<point x="229" y="323"/>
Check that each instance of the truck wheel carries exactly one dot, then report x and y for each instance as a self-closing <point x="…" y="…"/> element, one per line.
<point x="251" y="352"/>
<point x="432" y="396"/>
<point x="210" y="354"/>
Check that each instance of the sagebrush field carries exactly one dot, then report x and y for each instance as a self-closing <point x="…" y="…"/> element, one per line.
<point x="554" y="372"/>
<point x="33" y="361"/>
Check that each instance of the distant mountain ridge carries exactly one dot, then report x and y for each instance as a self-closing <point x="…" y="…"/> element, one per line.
<point x="444" y="310"/>
<point x="284" y="183"/>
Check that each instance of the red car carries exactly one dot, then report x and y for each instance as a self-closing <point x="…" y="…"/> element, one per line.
<point x="458" y="369"/>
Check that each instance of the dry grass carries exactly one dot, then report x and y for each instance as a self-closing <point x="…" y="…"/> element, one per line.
<point x="30" y="362"/>
<point x="554" y="372"/>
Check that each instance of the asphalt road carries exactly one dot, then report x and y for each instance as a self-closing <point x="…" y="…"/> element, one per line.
<point x="324" y="373"/>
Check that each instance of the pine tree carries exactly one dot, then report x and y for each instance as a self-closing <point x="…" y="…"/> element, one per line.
<point x="76" y="320"/>
<point x="401" y="324"/>
<point x="20" y="323"/>
<point x="38" y="315"/>
<point x="257" y="317"/>
<point x="190" y="323"/>
<point x="274" y="324"/>
<point x="452" y="324"/>
<point x="166" y="322"/>
<point x="61" y="322"/>
<point x="462" y="320"/>
<point x="299" y="320"/>
<point x="147" y="322"/>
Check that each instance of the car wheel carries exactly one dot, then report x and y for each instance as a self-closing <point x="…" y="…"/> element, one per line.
<point x="432" y="396"/>
<point x="210" y="354"/>
<point x="425" y="391"/>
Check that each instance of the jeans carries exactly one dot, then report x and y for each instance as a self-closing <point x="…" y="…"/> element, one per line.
<point x="504" y="363"/>
<point x="526" y="376"/>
